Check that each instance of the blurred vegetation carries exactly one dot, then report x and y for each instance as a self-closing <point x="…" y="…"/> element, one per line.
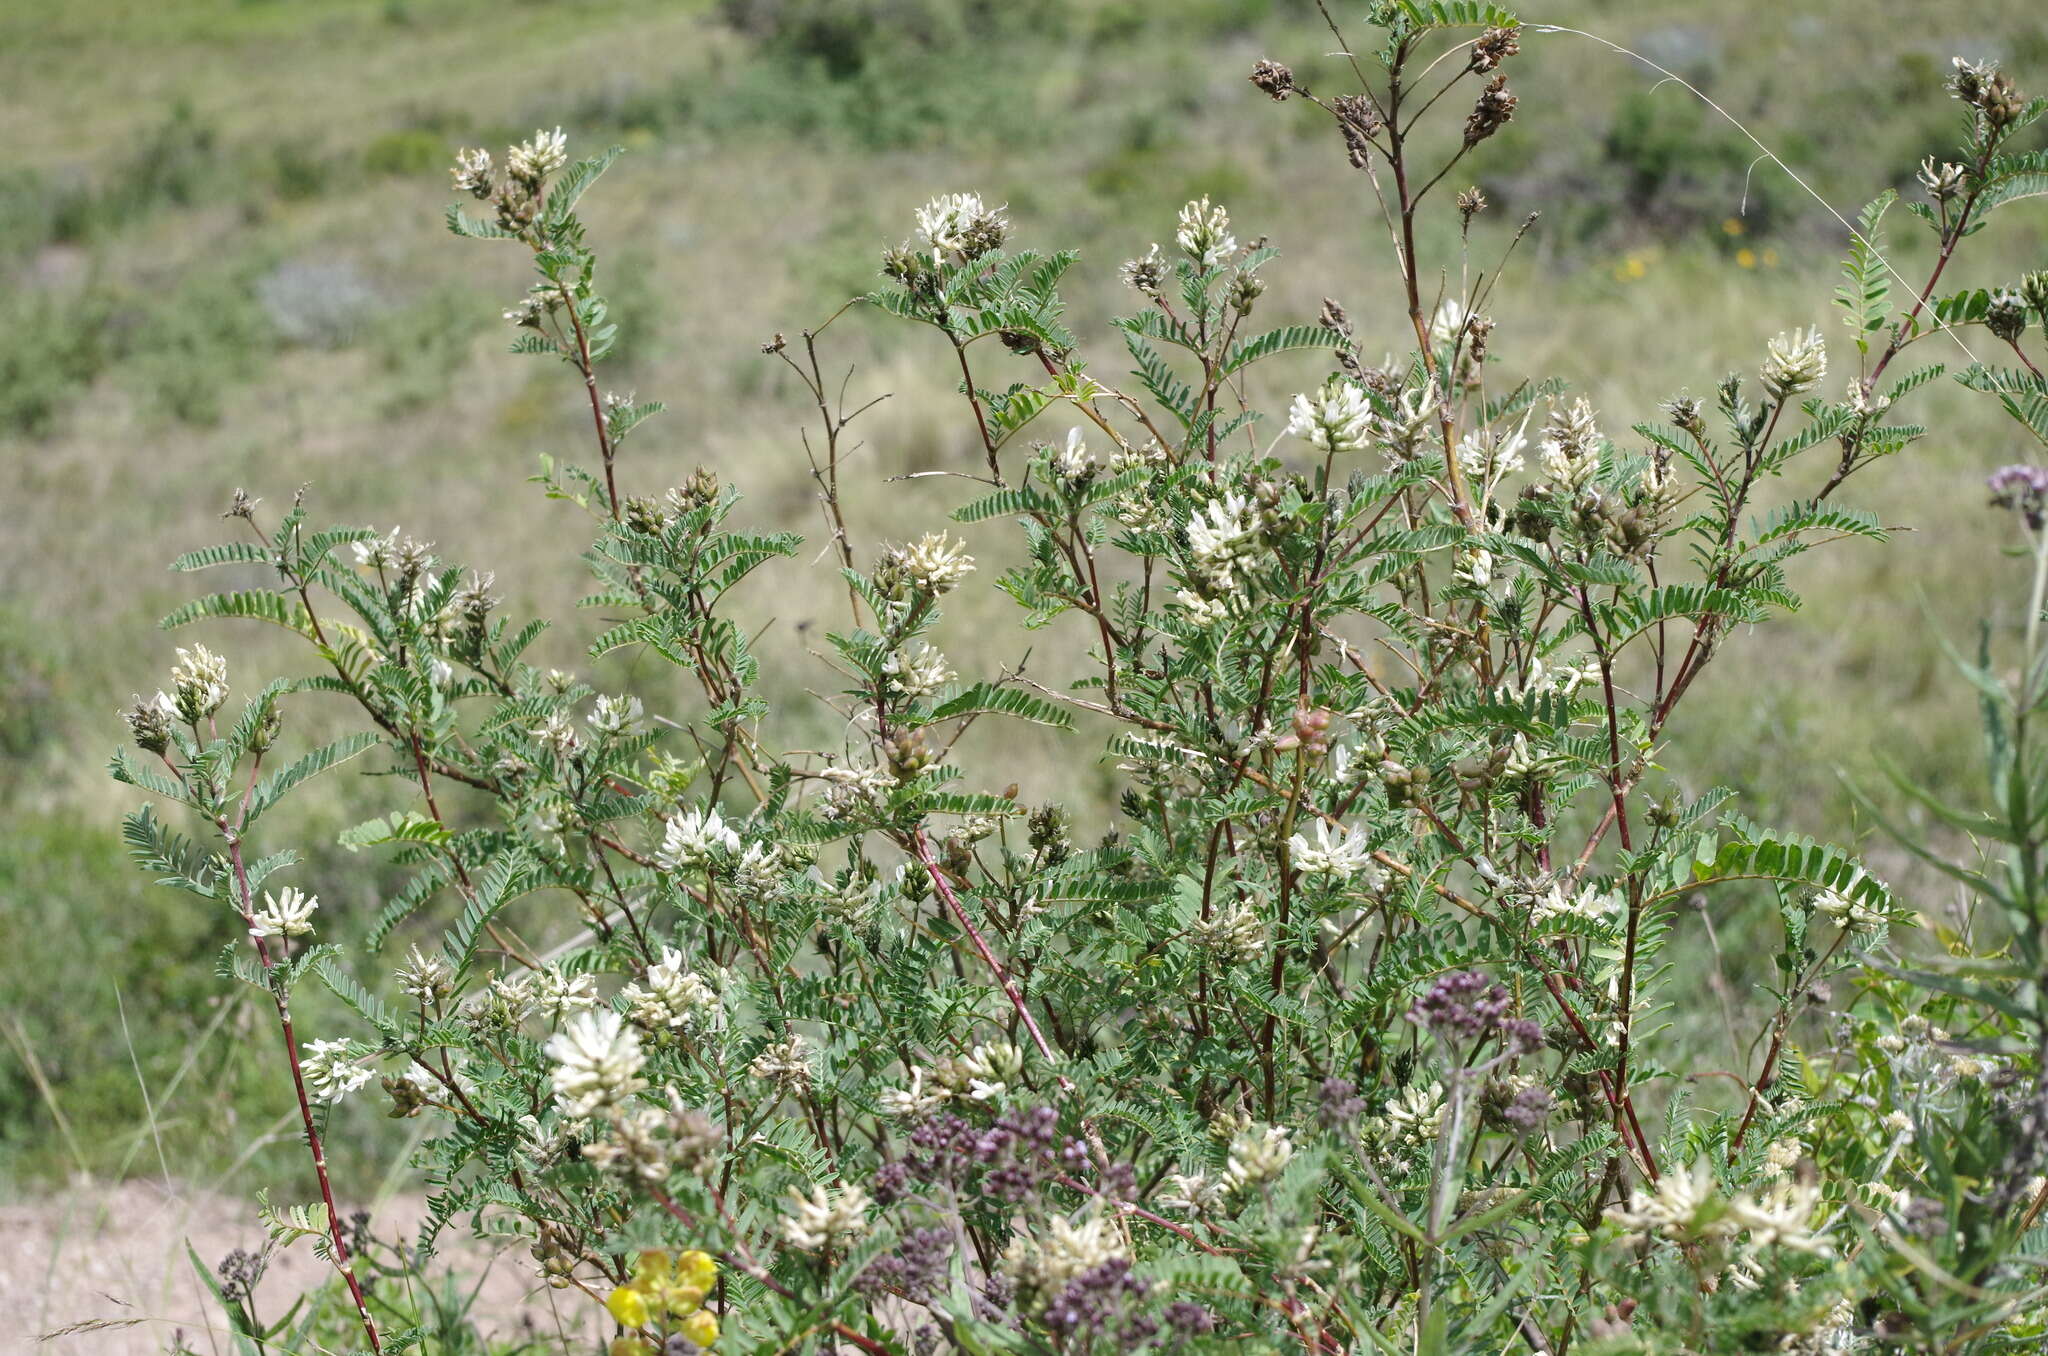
<point x="224" y="266"/>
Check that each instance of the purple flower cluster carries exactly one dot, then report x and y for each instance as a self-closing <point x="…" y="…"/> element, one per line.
<point x="1529" y="1109"/>
<point x="1466" y="1007"/>
<point x="916" y="1270"/>
<point x="1338" y="1103"/>
<point x="1015" y="1155"/>
<point x="2024" y="488"/>
<point x="1099" y="1311"/>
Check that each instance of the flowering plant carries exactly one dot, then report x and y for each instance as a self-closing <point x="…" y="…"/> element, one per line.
<point x="1342" y="1033"/>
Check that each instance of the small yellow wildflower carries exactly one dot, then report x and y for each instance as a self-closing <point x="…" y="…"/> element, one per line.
<point x="700" y="1327"/>
<point x="1746" y="257"/>
<point x="628" y="1306"/>
<point x="1732" y="226"/>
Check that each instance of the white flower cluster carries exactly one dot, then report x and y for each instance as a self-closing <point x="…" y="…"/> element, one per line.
<point x="1044" y="1264"/>
<point x="1794" y="362"/>
<point x="597" y="1063"/>
<point x="1689" y="1207"/>
<point x="935" y="563"/>
<point x="287" y="915"/>
<point x="786" y="1064"/>
<point x="200" y="681"/>
<point x="672" y="997"/>
<point x="424" y="976"/>
<point x="1342" y="856"/>
<point x="825" y="1219"/>
<point x="1221" y="537"/>
<point x="537" y="158"/>
<point x="1412" y="1120"/>
<point x="916" y="673"/>
<point x="1073" y="465"/>
<point x="694" y="839"/>
<point x="952" y="221"/>
<point x="557" y="995"/>
<point x="1336" y="419"/>
<point x="616" y="715"/>
<point x="1258" y="1153"/>
<point x="329" y="1071"/>
<point x="1571" y="447"/>
<point x="1204" y="234"/>
<point x="1231" y="933"/>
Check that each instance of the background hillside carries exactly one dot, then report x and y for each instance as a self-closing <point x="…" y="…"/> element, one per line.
<point x="224" y="265"/>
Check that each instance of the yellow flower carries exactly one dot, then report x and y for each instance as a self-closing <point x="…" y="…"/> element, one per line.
<point x="1746" y="257"/>
<point x="628" y="1306"/>
<point x="700" y="1327"/>
<point x="631" y="1346"/>
<point x="1732" y="226"/>
<point x="697" y="1268"/>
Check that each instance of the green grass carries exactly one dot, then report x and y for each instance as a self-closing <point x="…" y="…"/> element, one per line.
<point x="198" y="183"/>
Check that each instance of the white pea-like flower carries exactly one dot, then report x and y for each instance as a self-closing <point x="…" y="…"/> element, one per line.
<point x="1571" y="447"/>
<point x="672" y="996"/>
<point x="935" y="562"/>
<point x="1341" y="856"/>
<point x="535" y="159"/>
<point x="919" y="672"/>
<point x="597" y="1063"/>
<point x="616" y="715"/>
<point x="825" y="1219"/>
<point x="472" y="172"/>
<point x="1233" y="932"/>
<point x="289" y="914"/>
<point x="557" y="995"/>
<point x="200" y="680"/>
<point x="786" y="1064"/>
<point x="377" y="553"/>
<point x="1204" y="233"/>
<point x="1258" y="1153"/>
<point x="693" y="839"/>
<point x="1221" y="535"/>
<point x="1338" y="418"/>
<point x="914" y="1099"/>
<point x="329" y="1073"/>
<point x="953" y="221"/>
<point x="424" y="975"/>
<point x="1794" y="362"/>
<point x="1073" y="464"/>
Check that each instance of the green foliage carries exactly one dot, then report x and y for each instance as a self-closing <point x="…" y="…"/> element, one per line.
<point x="1348" y="1031"/>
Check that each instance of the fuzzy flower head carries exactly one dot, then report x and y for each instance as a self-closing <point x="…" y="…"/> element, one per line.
<point x="597" y="1063"/>
<point x="1204" y="234"/>
<point x="825" y="1220"/>
<point x="694" y="839"/>
<point x="289" y="914"/>
<point x="1794" y="362"/>
<point x="200" y="683"/>
<point x="959" y="223"/>
<point x="1336" y="419"/>
<point x="329" y="1071"/>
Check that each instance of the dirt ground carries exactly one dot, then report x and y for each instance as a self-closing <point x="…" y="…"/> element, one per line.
<point x="112" y="1257"/>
